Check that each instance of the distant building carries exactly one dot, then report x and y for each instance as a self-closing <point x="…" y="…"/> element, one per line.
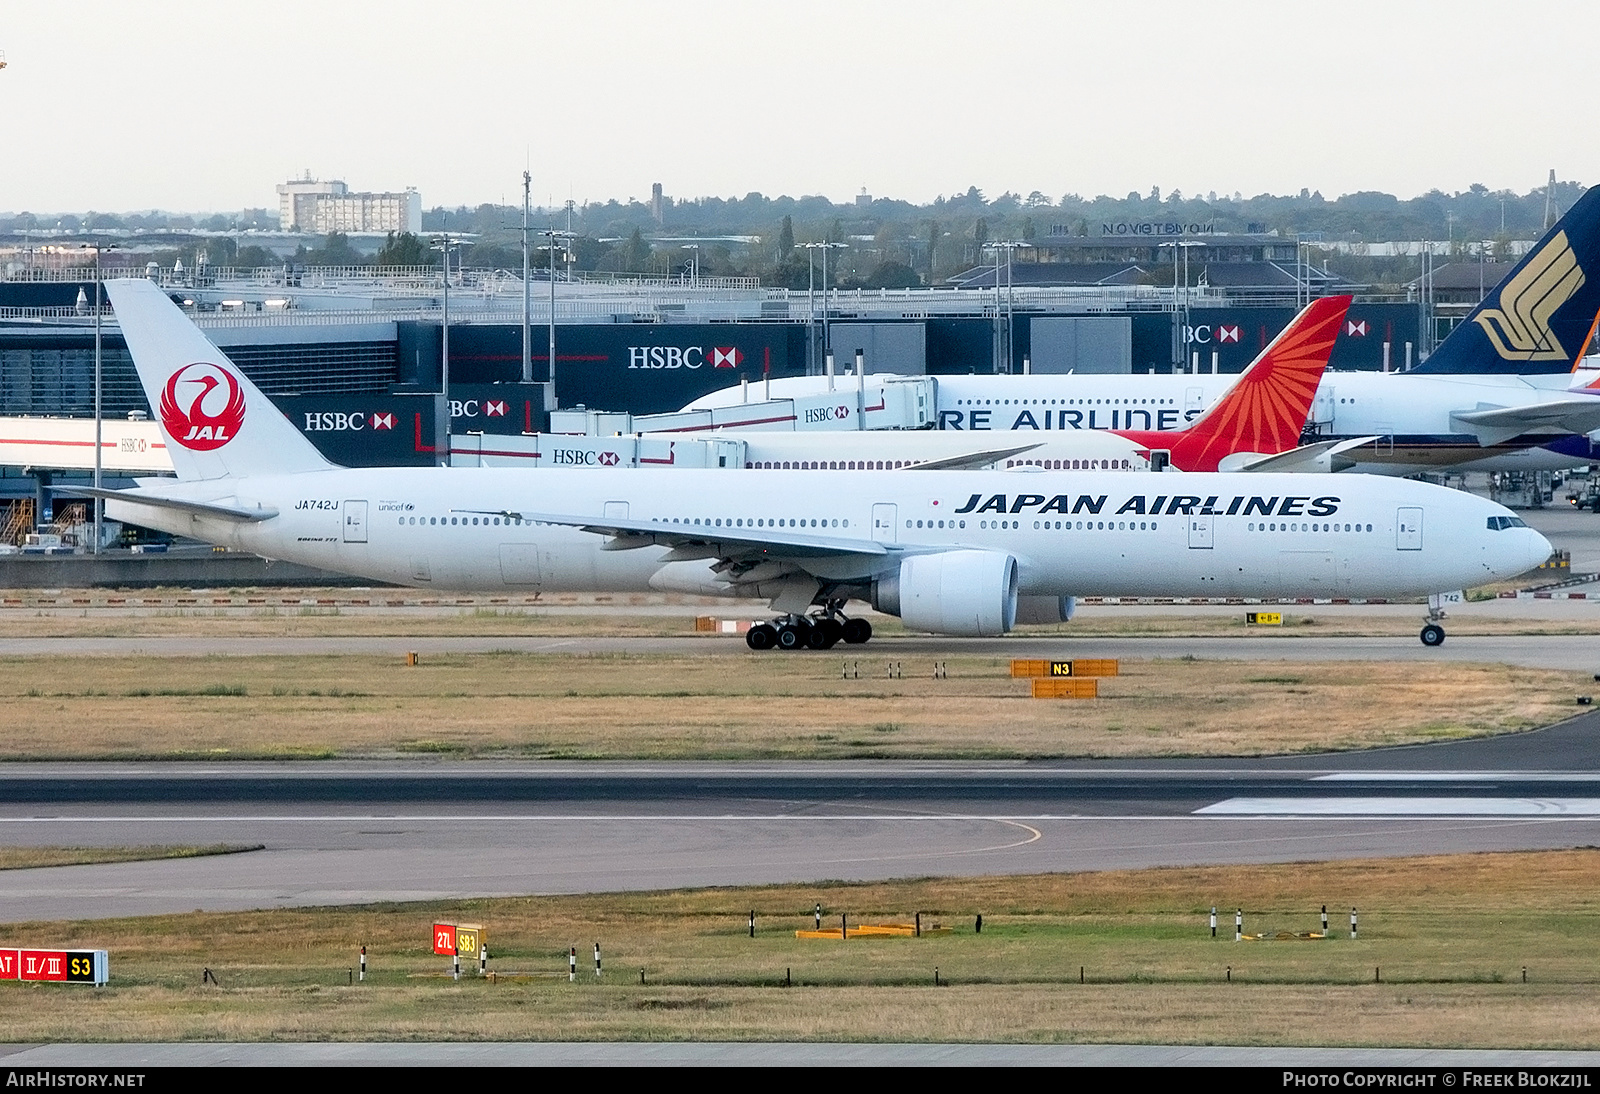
<point x="1238" y="265"/>
<point x="1462" y="282"/>
<point x="657" y="209"/>
<point x="307" y="205"/>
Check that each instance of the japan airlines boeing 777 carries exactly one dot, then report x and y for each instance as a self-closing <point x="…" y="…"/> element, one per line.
<point x="959" y="552"/>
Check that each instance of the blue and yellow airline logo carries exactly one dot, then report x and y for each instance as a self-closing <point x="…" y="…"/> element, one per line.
<point x="1519" y="329"/>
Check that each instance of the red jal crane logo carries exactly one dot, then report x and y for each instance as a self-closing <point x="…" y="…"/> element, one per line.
<point x="202" y="407"/>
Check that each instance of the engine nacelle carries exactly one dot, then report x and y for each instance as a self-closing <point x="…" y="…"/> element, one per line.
<point x="1046" y="609"/>
<point x="953" y="592"/>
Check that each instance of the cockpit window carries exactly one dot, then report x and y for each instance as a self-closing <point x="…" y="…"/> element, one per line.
<point x="1497" y="524"/>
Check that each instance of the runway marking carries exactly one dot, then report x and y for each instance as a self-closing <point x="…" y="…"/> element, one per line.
<point x="1404" y="807"/>
<point x="1019" y="820"/>
<point x="1460" y="776"/>
<point x="1231" y="809"/>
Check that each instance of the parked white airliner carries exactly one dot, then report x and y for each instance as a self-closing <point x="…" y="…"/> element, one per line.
<point x="958" y="552"/>
<point x="1492" y="397"/>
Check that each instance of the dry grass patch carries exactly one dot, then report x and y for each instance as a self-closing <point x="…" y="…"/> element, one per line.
<point x="1451" y="935"/>
<point x="741" y="706"/>
<point x="28" y="858"/>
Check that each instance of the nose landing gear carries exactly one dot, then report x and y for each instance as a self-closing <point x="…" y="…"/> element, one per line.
<point x="1432" y="633"/>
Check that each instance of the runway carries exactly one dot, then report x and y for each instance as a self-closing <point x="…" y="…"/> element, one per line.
<point x="1573" y="652"/>
<point x="362" y="832"/>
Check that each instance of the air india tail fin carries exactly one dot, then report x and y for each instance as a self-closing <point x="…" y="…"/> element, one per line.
<point x="217" y="423"/>
<point x="1266" y="410"/>
<point x="1542" y="316"/>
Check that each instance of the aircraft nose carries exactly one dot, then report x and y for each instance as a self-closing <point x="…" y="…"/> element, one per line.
<point x="1539" y="549"/>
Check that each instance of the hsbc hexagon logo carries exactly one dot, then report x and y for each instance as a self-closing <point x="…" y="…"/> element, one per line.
<point x="1356" y="328"/>
<point x="726" y="357"/>
<point x="1228" y="332"/>
<point x="202" y="406"/>
<point x="609" y="459"/>
<point x="383" y="420"/>
<point x="494" y="408"/>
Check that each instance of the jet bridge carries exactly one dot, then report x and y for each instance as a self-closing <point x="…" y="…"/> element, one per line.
<point x="876" y="403"/>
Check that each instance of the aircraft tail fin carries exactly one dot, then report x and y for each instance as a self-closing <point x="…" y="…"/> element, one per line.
<point x="217" y="423"/>
<point x="1541" y="317"/>
<point x="1266" y="410"/>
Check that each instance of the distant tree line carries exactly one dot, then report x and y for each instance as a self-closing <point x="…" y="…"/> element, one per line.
<point x="889" y="243"/>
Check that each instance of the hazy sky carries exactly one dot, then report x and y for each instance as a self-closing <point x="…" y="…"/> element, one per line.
<point x="205" y="106"/>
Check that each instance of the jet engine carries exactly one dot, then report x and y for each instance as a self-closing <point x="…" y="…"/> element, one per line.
<point x="952" y="592"/>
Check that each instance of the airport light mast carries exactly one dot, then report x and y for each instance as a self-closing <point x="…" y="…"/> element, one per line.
<point x="443" y="243"/>
<point x="1005" y="331"/>
<point x="1180" y="306"/>
<point x="99" y="386"/>
<point x="827" y="345"/>
<point x="550" y="388"/>
<point x="527" y="289"/>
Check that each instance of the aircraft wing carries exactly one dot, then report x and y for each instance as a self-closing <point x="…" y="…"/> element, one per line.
<point x="1493" y="424"/>
<point x="970" y="461"/>
<point x="216" y="509"/>
<point x="697" y="541"/>
<point x="1320" y="458"/>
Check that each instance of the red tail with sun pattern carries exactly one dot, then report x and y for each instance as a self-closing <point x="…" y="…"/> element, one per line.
<point x="1266" y="411"/>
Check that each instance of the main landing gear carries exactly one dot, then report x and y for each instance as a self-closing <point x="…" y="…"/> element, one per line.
<point x="803" y="632"/>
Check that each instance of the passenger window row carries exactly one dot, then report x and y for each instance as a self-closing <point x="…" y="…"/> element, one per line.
<point x="1301" y="526"/>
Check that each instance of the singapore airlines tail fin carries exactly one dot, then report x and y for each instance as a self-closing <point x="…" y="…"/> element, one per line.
<point x="1265" y="411"/>
<point x="217" y="423"/>
<point x="1543" y="315"/>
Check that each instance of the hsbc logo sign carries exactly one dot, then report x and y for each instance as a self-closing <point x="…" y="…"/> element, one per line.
<point x="1204" y="334"/>
<point x="667" y="357"/>
<point x="826" y="414"/>
<point x="1356" y="328"/>
<point x="337" y="421"/>
<point x="475" y="408"/>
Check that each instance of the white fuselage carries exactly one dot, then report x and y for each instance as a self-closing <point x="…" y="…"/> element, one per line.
<point x="1410" y="413"/>
<point x="1072" y="533"/>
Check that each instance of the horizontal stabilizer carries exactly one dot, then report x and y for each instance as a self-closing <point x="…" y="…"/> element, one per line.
<point x="970" y="461"/>
<point x="219" y="510"/>
<point x="1494" y="424"/>
<point x="1323" y="457"/>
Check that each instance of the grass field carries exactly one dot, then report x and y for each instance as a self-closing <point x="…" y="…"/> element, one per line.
<point x="740" y="706"/>
<point x="1439" y="961"/>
